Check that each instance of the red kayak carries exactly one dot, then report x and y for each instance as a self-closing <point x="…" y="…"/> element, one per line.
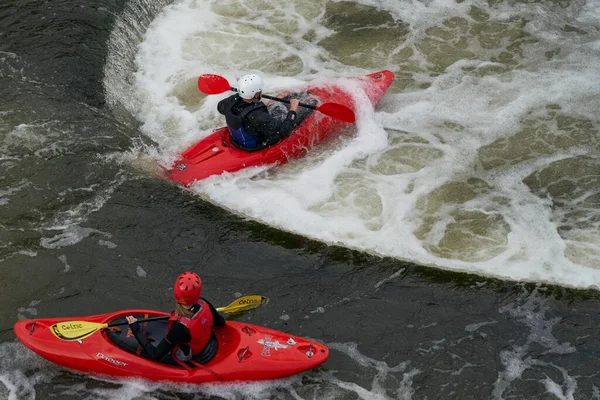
<point x="246" y="352"/>
<point x="216" y="153"/>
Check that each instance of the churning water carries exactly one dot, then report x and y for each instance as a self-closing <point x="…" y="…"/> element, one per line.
<point x="483" y="156"/>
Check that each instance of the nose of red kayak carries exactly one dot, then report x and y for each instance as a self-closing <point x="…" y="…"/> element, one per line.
<point x="21" y="329"/>
<point x="316" y="352"/>
<point x="178" y="173"/>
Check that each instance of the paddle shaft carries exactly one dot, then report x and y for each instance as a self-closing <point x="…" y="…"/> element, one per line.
<point x="226" y="309"/>
<point x="141" y="320"/>
<point x="162" y="317"/>
<point x="287" y="101"/>
<point x="78" y="330"/>
<point x="266" y="96"/>
<point x="216" y="84"/>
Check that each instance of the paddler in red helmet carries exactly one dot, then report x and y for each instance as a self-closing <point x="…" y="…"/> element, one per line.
<point x="190" y="333"/>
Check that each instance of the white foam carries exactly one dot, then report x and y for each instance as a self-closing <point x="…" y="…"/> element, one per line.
<point x="401" y="376"/>
<point x="29" y="253"/>
<point x="531" y="311"/>
<point x="107" y="243"/>
<point x="140" y="272"/>
<point x="70" y="236"/>
<point x="389" y="278"/>
<point x="475" y="327"/>
<point x="284" y="317"/>
<point x="4" y="194"/>
<point x="30" y="310"/>
<point x="67" y="221"/>
<point x="15" y="361"/>
<point x="63" y="259"/>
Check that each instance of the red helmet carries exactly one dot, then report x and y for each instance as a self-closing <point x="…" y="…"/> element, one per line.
<point x="188" y="288"/>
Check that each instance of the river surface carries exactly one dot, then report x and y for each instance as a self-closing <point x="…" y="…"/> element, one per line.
<point x="447" y="247"/>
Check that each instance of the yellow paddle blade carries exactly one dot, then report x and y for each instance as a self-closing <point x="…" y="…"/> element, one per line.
<point x="75" y="330"/>
<point x="244" y="303"/>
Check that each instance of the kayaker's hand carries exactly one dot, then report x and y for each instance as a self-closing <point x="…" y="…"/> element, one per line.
<point x="294" y="105"/>
<point x="131" y="319"/>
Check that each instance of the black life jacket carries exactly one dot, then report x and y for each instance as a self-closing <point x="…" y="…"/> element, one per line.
<point x="235" y="123"/>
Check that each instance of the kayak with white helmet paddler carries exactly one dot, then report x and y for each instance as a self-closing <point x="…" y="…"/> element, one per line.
<point x="254" y="137"/>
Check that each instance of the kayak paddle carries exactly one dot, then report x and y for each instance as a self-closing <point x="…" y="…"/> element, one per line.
<point x="216" y="84"/>
<point x="77" y="330"/>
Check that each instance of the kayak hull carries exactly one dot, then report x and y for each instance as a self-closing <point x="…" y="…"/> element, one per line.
<point x="246" y="352"/>
<point x="216" y="154"/>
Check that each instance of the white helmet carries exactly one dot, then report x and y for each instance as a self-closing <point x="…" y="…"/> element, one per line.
<point x="249" y="85"/>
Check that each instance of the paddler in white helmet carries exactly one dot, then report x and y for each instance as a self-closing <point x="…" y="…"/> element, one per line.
<point x="248" y="119"/>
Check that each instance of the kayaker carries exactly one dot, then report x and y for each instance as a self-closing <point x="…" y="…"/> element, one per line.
<point x="190" y="333"/>
<point x="248" y="119"/>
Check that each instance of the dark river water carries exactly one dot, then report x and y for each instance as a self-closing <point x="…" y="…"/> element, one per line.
<point x="84" y="230"/>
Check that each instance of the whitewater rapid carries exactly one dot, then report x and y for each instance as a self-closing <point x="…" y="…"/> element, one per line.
<point x="471" y="161"/>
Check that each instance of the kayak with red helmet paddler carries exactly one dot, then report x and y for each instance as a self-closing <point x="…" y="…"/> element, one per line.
<point x="193" y="344"/>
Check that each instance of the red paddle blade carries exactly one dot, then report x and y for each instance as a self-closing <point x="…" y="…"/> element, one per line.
<point x="337" y="111"/>
<point x="213" y="84"/>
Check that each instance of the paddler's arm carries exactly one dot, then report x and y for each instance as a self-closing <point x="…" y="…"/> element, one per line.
<point x="157" y="353"/>
<point x="224" y="104"/>
<point x="270" y="129"/>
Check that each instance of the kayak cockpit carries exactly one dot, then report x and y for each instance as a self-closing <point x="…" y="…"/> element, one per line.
<point x="122" y="337"/>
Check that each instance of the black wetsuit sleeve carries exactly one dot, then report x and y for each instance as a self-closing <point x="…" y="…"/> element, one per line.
<point x="177" y="334"/>
<point x="226" y="103"/>
<point x="218" y="319"/>
<point x="221" y="106"/>
<point x="267" y="128"/>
